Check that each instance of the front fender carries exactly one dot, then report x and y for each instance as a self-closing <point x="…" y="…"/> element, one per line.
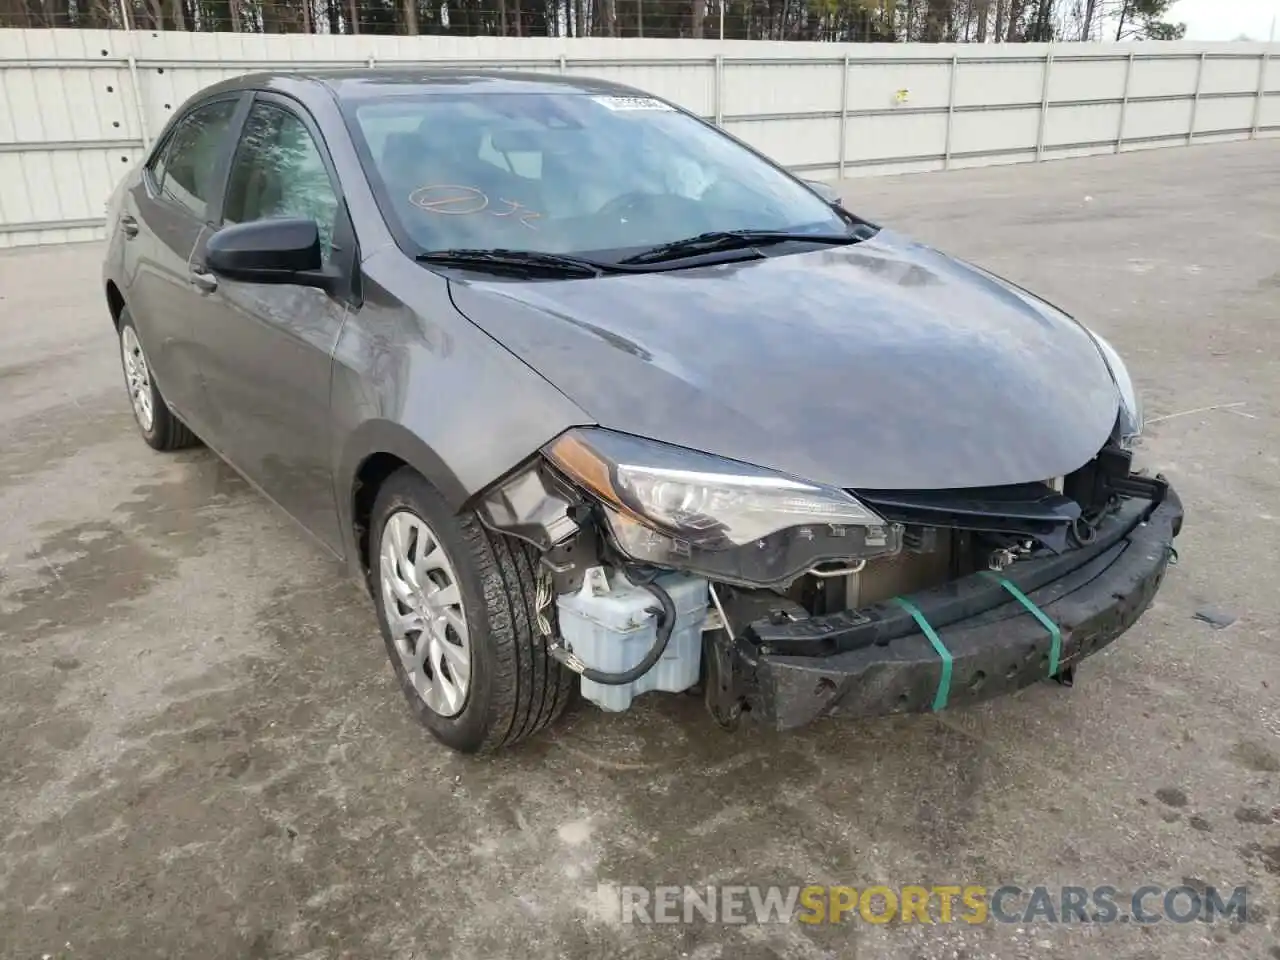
<point x="378" y="438"/>
<point x="415" y="379"/>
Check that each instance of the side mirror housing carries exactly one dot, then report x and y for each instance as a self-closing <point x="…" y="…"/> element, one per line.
<point x="825" y="191"/>
<point x="285" y="250"/>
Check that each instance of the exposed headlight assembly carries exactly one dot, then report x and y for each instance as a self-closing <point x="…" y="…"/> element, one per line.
<point x="730" y="521"/>
<point x="1130" y="403"/>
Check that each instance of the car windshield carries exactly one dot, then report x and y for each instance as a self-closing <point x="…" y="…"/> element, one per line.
<point x="567" y="173"/>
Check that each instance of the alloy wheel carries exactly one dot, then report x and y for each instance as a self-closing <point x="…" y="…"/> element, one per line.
<point x="138" y="377"/>
<point x="423" y="607"/>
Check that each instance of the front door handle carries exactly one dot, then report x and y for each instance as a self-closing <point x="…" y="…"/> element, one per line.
<point x="203" y="280"/>
<point x="129" y="226"/>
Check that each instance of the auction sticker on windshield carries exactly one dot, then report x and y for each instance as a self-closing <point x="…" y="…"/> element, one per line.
<point x="632" y="103"/>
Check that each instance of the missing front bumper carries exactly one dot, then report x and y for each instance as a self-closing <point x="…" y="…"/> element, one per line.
<point x="876" y="661"/>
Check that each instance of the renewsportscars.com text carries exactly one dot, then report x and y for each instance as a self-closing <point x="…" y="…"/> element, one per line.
<point x="913" y="903"/>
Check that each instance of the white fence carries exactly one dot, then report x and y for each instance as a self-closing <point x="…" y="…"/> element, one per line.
<point x="77" y="107"/>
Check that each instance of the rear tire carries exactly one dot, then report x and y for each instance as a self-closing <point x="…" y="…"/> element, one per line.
<point x="156" y="422"/>
<point x="444" y="567"/>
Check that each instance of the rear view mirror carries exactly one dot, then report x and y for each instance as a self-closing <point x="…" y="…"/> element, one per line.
<point x="825" y="191"/>
<point x="270" y="251"/>
<point x="517" y="141"/>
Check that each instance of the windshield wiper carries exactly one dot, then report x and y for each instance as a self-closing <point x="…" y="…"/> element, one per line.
<point x="526" y="261"/>
<point x="717" y="240"/>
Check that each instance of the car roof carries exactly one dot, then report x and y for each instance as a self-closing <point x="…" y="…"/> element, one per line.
<point x="364" y="83"/>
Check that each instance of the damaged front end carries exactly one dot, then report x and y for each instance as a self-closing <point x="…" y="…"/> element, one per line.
<point x="664" y="568"/>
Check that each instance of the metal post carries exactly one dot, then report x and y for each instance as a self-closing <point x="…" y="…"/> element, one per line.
<point x="1124" y="102"/>
<point x="719" y="88"/>
<point x="722" y="5"/>
<point x="137" y="99"/>
<point x="138" y="110"/>
<point x="844" y="114"/>
<point x="1195" y="103"/>
<point x="1262" y="94"/>
<point x="562" y="63"/>
<point x="371" y="61"/>
<point x="951" y="111"/>
<point x="1044" y="102"/>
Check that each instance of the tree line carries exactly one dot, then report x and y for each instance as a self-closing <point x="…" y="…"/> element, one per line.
<point x="858" y="21"/>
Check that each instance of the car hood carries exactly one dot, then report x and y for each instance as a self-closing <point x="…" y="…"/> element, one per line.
<point x="881" y="365"/>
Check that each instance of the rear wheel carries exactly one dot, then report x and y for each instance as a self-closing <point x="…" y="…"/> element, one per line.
<point x="157" y="423"/>
<point x="457" y="607"/>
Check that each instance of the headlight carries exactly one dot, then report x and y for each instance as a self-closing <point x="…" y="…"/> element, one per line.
<point x="1130" y="403"/>
<point x="731" y="521"/>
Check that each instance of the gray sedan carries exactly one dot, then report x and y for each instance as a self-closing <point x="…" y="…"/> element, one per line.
<point x="593" y="397"/>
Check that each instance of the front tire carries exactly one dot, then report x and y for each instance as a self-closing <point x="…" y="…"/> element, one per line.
<point x="457" y="608"/>
<point x="156" y="422"/>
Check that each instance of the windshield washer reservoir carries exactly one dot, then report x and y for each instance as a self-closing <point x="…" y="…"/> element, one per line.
<point x="610" y="625"/>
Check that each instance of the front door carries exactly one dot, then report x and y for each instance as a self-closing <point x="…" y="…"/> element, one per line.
<point x="266" y="361"/>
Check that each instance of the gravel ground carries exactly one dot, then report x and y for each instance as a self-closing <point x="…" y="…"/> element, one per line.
<point x="203" y="752"/>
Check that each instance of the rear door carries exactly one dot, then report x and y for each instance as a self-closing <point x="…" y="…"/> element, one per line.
<point x="267" y="354"/>
<point x="174" y="199"/>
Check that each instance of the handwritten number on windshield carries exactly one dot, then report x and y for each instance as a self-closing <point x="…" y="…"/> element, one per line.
<point x="519" y="210"/>
<point x="449" y="199"/>
<point x="462" y="201"/>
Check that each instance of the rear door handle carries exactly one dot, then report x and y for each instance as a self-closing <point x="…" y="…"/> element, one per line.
<point x="129" y="226"/>
<point x="203" y="281"/>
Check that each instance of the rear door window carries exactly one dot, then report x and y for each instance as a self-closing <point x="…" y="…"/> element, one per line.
<point x="186" y="171"/>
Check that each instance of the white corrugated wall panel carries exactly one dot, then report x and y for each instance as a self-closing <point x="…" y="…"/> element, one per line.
<point x="895" y="135"/>
<point x="984" y="84"/>
<point x="875" y="86"/>
<point x="1067" y="153"/>
<point x="1157" y="118"/>
<point x="994" y="130"/>
<point x="59" y="127"/>
<point x="785" y="88"/>
<point x="32" y="238"/>
<point x="999" y="160"/>
<point x="1224" y="114"/>
<point x="1269" y="115"/>
<point x="49" y="188"/>
<point x="1230" y="76"/>
<point x="1132" y="145"/>
<point x="1164" y="78"/>
<point x="1081" y="123"/>
<point x="888" y="169"/>
<point x="790" y="142"/>
<point x="1222" y="136"/>
<point x="1085" y="80"/>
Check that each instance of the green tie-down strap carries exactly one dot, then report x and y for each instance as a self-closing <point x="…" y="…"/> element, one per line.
<point x="944" y="682"/>
<point x="1055" y="635"/>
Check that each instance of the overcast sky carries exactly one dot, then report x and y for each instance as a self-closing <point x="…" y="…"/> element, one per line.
<point x="1226" y="19"/>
